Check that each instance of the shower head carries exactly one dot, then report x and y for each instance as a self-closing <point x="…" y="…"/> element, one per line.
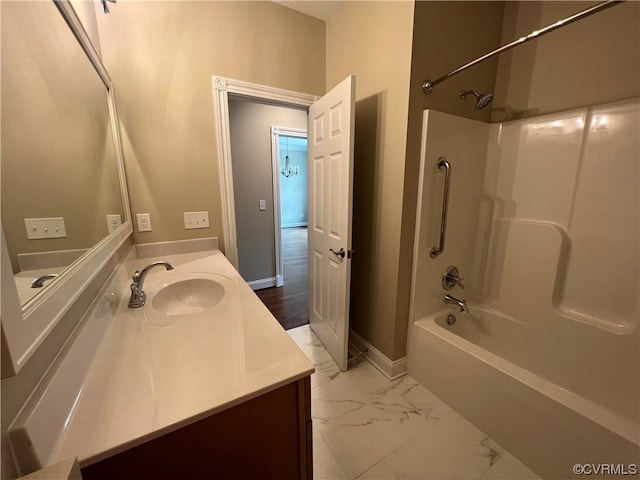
<point x="481" y="100"/>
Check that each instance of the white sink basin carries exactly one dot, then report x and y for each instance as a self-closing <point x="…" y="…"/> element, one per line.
<point x="191" y="294"/>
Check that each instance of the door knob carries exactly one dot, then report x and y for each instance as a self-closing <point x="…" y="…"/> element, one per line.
<point x="340" y="253"/>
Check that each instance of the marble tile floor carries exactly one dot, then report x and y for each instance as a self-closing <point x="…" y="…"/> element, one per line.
<point x="367" y="427"/>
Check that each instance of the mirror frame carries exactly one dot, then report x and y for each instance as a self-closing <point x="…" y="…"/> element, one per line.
<point x="25" y="328"/>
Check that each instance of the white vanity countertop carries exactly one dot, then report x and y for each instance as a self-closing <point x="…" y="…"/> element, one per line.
<point x="153" y="374"/>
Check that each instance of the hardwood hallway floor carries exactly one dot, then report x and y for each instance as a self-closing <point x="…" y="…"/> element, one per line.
<point x="289" y="302"/>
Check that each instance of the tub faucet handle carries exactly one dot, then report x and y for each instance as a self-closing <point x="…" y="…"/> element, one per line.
<point x="451" y="277"/>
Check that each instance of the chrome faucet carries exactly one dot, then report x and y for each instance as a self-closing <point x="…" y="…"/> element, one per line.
<point x="39" y="282"/>
<point x="138" y="297"/>
<point x="462" y="304"/>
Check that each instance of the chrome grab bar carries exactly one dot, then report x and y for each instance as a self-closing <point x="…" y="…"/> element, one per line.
<point x="443" y="164"/>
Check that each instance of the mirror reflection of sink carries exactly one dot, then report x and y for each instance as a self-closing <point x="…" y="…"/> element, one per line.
<point x="186" y="296"/>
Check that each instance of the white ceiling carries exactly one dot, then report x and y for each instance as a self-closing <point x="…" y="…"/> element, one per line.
<point x="322" y="9"/>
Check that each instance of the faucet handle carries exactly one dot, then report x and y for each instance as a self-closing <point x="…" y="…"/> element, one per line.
<point x="451" y="277"/>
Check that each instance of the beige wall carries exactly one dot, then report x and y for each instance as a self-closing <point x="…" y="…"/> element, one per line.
<point x="446" y="35"/>
<point x="58" y="158"/>
<point x="161" y="57"/>
<point x="86" y="12"/>
<point x="592" y="61"/>
<point x="250" y="124"/>
<point x="372" y="40"/>
<point x="391" y="50"/>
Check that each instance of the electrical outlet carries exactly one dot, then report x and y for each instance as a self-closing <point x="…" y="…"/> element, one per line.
<point x="144" y="222"/>
<point x="262" y="204"/>
<point x="113" y="223"/>
<point x="196" y="220"/>
<point x="45" y="228"/>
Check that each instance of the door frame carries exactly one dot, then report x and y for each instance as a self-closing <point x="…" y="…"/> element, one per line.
<point x="276" y="132"/>
<point x="222" y="88"/>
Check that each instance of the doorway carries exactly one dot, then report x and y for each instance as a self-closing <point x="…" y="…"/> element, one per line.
<point x="223" y="88"/>
<point x="288" y="301"/>
<point x="331" y="125"/>
<point x="269" y="165"/>
<point x="256" y="187"/>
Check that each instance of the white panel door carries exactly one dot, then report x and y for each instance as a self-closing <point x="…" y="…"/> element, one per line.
<point x="330" y="153"/>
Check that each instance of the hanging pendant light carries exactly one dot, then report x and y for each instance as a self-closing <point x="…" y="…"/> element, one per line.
<point x="287" y="169"/>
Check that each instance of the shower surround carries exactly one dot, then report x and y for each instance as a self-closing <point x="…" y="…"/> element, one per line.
<point x="544" y="226"/>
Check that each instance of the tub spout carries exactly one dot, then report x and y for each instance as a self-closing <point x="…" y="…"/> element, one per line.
<point x="461" y="304"/>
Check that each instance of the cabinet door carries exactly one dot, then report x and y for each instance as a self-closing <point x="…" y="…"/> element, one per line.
<point x="267" y="437"/>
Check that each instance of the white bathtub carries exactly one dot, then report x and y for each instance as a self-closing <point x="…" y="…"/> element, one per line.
<point x="527" y="398"/>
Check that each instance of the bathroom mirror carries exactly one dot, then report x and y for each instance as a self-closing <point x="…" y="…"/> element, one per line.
<point x="61" y="158"/>
<point x="58" y="154"/>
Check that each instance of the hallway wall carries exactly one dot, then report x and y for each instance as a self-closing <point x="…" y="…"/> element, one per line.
<point x="250" y="124"/>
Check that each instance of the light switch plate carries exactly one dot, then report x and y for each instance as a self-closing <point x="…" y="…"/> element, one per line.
<point x="196" y="220"/>
<point x="144" y="222"/>
<point x="262" y="204"/>
<point x="45" y="228"/>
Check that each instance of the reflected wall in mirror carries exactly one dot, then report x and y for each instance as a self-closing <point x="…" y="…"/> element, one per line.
<point x="57" y="150"/>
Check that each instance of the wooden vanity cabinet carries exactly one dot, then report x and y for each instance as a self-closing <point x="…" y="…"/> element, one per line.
<point x="268" y="437"/>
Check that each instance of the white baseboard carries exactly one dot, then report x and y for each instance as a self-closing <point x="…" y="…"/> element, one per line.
<point x="392" y="369"/>
<point x="294" y="224"/>
<point x="263" y="283"/>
